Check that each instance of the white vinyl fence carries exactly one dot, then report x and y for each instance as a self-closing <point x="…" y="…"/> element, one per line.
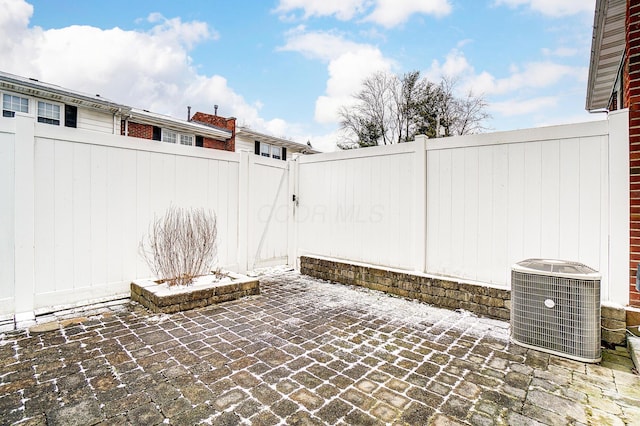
<point x="470" y="207"/>
<point x="75" y="205"/>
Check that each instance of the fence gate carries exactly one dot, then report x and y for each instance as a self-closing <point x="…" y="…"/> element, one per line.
<point x="268" y="217"/>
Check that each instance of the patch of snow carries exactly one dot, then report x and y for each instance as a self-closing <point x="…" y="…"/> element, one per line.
<point x="270" y="270"/>
<point x="211" y="279"/>
<point x="158" y="318"/>
<point x="205" y="281"/>
<point x="397" y="309"/>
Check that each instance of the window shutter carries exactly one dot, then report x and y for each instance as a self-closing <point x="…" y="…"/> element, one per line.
<point x="70" y="116"/>
<point x="257" y="147"/>
<point x="199" y="141"/>
<point x="157" y="133"/>
<point x="284" y="153"/>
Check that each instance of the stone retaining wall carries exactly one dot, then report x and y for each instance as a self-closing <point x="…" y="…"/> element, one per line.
<point x="612" y="318"/>
<point x="146" y="293"/>
<point x="484" y="301"/>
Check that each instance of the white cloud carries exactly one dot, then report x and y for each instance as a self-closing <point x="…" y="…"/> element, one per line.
<point x="529" y="89"/>
<point x="554" y="8"/>
<point x="533" y="75"/>
<point x="146" y="69"/>
<point x="342" y="9"/>
<point x="527" y="106"/>
<point x="346" y="74"/>
<point x="324" y="143"/>
<point x="318" y="45"/>
<point x="455" y="65"/>
<point x="388" y="13"/>
<point x="348" y="64"/>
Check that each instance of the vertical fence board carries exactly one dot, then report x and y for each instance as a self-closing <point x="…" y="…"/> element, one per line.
<point x="7" y="219"/>
<point x="516" y="245"/>
<point x="45" y="224"/>
<point x="569" y="199"/>
<point x="550" y="208"/>
<point x="589" y="192"/>
<point x="81" y="213"/>
<point x="500" y="237"/>
<point x="485" y="215"/>
<point x="63" y="216"/>
<point x="99" y="179"/>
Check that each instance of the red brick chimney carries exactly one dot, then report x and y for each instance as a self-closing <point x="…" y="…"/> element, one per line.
<point x="221" y="122"/>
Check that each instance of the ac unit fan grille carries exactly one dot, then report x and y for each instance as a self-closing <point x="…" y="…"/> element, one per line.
<point x="571" y="327"/>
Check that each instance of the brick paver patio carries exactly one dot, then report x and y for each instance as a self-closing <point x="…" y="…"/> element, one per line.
<point x="303" y="352"/>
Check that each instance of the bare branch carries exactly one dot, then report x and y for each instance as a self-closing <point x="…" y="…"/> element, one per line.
<point x="181" y="245"/>
<point x="391" y="109"/>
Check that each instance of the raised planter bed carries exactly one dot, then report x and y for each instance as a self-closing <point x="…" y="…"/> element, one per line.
<point x="161" y="298"/>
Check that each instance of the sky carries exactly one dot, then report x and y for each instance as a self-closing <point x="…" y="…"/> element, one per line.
<point x="285" y="67"/>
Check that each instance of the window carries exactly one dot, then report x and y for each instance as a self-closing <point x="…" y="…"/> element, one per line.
<point x="70" y="116"/>
<point x="174" y="137"/>
<point x="275" y="152"/>
<point x="265" y="149"/>
<point x="48" y="113"/>
<point x="157" y="133"/>
<point x="169" y="136"/>
<point x="12" y="104"/>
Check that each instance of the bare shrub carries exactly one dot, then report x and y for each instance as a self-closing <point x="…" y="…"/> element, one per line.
<point x="181" y="245"/>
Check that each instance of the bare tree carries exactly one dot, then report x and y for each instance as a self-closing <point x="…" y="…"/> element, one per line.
<point x="461" y="115"/>
<point x="370" y="121"/>
<point x="181" y="245"/>
<point x="391" y="109"/>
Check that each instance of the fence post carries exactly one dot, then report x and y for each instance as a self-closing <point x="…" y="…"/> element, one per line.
<point x="420" y="203"/>
<point x="24" y="190"/>
<point x="243" y="212"/>
<point x="292" y="224"/>
<point x="619" y="227"/>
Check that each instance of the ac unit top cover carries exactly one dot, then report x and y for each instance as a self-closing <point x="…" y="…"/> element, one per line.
<point x="558" y="268"/>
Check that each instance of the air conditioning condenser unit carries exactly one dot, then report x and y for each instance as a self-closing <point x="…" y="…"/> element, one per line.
<point x="555" y="308"/>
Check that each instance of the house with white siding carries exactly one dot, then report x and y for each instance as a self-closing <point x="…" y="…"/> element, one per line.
<point x="58" y="106"/>
<point x="247" y="139"/>
<point x="269" y="146"/>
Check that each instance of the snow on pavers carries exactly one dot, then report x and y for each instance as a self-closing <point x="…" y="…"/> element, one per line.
<point x="303" y="352"/>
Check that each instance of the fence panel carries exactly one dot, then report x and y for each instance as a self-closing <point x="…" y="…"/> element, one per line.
<point x="358" y="205"/>
<point x="95" y="197"/>
<point x="493" y="203"/>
